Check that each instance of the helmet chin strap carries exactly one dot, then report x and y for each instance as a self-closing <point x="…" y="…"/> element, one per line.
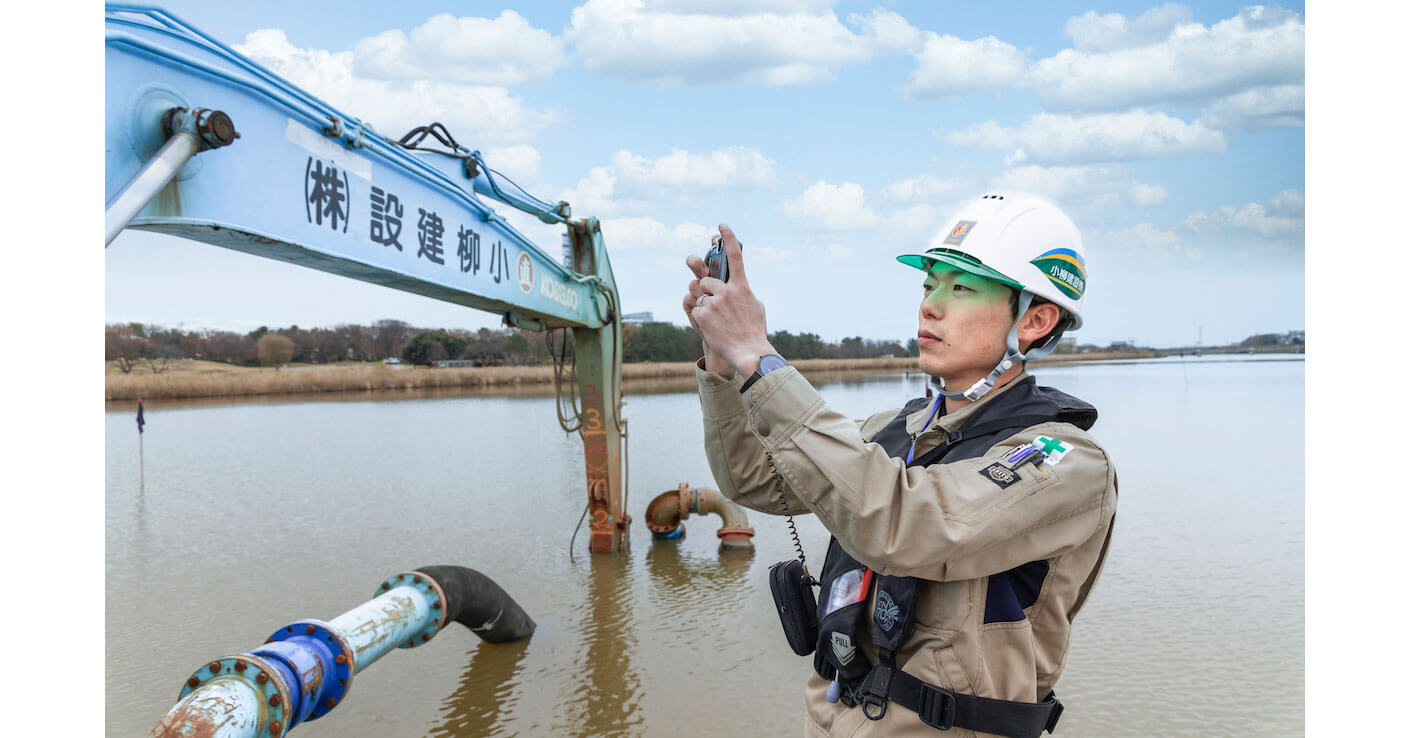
<point x="1011" y="355"/>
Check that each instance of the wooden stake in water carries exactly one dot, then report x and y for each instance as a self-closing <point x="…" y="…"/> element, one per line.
<point x="141" y="470"/>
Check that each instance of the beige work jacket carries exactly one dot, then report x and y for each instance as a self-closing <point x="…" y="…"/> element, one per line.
<point x="946" y="523"/>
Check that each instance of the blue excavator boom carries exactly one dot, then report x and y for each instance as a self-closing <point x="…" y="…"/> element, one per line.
<point x="205" y="144"/>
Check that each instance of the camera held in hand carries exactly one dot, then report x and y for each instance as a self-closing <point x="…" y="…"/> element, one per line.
<point x="715" y="259"/>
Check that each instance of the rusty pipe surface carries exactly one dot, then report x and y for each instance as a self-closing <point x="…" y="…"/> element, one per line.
<point x="223" y="708"/>
<point x="305" y="668"/>
<point x="665" y="513"/>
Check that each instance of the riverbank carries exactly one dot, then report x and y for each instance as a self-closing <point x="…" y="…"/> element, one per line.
<point x="195" y="379"/>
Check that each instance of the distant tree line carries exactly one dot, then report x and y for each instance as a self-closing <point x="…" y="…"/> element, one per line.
<point x="133" y="344"/>
<point x="667" y="342"/>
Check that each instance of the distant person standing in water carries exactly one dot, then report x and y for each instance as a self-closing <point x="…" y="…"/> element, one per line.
<point x="967" y="532"/>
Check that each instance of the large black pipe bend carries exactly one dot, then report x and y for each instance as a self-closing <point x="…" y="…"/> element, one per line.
<point x="475" y="601"/>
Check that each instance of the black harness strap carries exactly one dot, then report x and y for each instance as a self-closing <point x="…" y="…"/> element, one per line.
<point x="943" y="709"/>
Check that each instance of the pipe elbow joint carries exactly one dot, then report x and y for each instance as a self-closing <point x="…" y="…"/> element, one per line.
<point x="665" y="513"/>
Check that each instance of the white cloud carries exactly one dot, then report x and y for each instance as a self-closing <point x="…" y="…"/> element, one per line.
<point x="915" y="223"/>
<point x="926" y="188"/>
<point x="1278" y="106"/>
<point x="520" y="163"/>
<point x="1150" y="240"/>
<point x="1142" y="195"/>
<point x="1261" y="46"/>
<point x="946" y="65"/>
<point x="495" y="51"/>
<point x="1097" y="33"/>
<point x="777" y="44"/>
<point x="736" y="7"/>
<point x="636" y="234"/>
<point x="595" y="194"/>
<point x="476" y="115"/>
<point x="1050" y="138"/>
<point x="630" y="182"/>
<point x="1253" y="217"/>
<point x="1086" y="187"/>
<point x="833" y="207"/>
<point x="734" y="167"/>
<point x="1288" y="202"/>
<point x="649" y="240"/>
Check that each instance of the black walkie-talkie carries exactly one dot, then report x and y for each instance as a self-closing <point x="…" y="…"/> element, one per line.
<point x="792" y="587"/>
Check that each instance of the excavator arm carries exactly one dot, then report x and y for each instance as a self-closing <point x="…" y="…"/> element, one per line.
<point x="205" y="144"/>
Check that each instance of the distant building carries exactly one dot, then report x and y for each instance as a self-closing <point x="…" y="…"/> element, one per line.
<point x="637" y="318"/>
<point x="453" y="363"/>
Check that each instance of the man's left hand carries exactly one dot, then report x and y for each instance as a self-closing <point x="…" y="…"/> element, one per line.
<point x="728" y="315"/>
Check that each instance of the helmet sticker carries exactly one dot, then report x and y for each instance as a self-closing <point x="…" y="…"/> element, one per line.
<point x="961" y="230"/>
<point x="1066" y="269"/>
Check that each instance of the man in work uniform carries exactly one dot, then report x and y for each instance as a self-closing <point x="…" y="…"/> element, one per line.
<point x="967" y="531"/>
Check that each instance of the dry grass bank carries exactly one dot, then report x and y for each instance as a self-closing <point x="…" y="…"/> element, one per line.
<point x="188" y="379"/>
<point x="210" y="379"/>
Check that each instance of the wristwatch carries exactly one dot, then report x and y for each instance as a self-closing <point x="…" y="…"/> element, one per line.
<point x="766" y="364"/>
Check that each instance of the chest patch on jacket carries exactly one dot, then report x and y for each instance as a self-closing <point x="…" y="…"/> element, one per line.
<point x="1000" y="475"/>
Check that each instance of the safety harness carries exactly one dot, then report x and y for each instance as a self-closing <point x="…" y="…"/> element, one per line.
<point x="842" y="604"/>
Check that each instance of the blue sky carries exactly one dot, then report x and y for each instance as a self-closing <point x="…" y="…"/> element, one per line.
<point x="831" y="135"/>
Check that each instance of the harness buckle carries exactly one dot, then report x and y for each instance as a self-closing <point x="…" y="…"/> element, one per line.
<point x="1055" y="714"/>
<point x="874" y="691"/>
<point x="937" y="707"/>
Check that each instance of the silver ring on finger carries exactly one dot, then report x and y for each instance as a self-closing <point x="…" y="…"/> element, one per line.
<point x="701" y="301"/>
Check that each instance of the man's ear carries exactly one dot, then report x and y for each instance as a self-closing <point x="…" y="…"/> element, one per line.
<point x="1039" y="321"/>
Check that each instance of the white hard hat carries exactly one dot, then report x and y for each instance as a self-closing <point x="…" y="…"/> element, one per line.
<point x="1018" y="239"/>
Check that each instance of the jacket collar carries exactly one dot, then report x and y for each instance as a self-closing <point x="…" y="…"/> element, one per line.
<point x="950" y="422"/>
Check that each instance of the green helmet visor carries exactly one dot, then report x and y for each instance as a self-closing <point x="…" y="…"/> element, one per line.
<point x="958" y="260"/>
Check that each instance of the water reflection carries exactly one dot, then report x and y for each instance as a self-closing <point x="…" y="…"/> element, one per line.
<point x="484" y="699"/>
<point x="695" y="586"/>
<point x="604" y="698"/>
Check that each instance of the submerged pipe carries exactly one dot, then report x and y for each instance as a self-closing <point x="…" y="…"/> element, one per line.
<point x="665" y="513"/>
<point x="305" y="668"/>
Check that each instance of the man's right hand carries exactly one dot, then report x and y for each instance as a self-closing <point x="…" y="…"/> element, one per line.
<point x="713" y="362"/>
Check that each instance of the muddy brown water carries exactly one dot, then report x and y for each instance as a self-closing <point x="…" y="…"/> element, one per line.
<point x="247" y="516"/>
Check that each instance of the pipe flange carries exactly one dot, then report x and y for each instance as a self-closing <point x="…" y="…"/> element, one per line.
<point x="263" y="678"/>
<point x="337" y="670"/>
<point x="735" y="532"/>
<point x="427" y="586"/>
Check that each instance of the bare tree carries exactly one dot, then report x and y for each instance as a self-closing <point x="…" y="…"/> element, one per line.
<point x="123" y="346"/>
<point x="161" y="356"/>
<point x="274" y="350"/>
